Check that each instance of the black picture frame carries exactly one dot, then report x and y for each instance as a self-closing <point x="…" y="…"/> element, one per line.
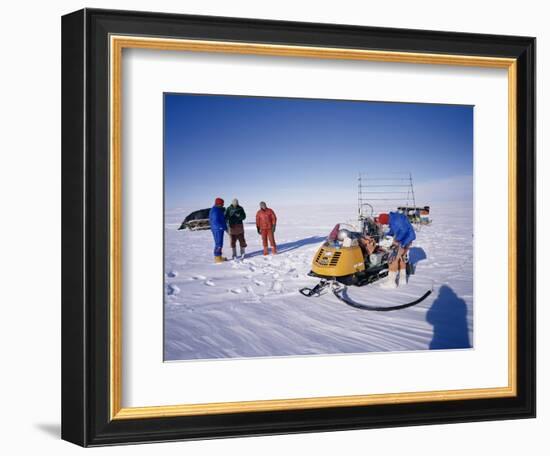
<point x="85" y="224"/>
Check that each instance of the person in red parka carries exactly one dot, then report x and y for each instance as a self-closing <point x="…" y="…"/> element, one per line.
<point x="266" y="221"/>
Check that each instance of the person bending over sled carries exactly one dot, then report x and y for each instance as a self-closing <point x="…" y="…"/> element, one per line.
<point x="218" y="227"/>
<point x="234" y="215"/>
<point x="266" y="221"/>
<point x="403" y="236"/>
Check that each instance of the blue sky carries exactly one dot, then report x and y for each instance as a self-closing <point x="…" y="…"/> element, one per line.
<point x="303" y="151"/>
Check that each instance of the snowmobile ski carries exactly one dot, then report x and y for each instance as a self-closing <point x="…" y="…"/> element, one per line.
<point x="342" y="294"/>
<point x="316" y="290"/>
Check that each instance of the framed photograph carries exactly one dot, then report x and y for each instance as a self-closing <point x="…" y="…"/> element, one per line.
<point x="278" y="227"/>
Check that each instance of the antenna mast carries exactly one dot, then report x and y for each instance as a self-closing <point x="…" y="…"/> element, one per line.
<point x="379" y="194"/>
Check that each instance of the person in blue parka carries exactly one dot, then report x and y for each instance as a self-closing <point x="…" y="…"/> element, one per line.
<point x="403" y="236"/>
<point x="218" y="226"/>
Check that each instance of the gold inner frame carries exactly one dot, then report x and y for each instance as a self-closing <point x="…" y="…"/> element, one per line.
<point x="117" y="44"/>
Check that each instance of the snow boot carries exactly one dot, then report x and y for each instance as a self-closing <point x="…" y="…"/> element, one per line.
<point x="234" y="256"/>
<point x="391" y="280"/>
<point x="274" y="250"/>
<point x="265" y="251"/>
<point x="402" y="277"/>
<point x="219" y="259"/>
<point x="242" y="253"/>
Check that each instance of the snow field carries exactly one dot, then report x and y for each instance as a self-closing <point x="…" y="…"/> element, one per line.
<point x="252" y="307"/>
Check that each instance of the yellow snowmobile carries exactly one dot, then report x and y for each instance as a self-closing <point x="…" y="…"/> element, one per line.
<point x="347" y="257"/>
<point x="350" y="257"/>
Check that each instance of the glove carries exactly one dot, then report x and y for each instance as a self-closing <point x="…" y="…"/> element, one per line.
<point x="274" y="226"/>
<point x="258" y="229"/>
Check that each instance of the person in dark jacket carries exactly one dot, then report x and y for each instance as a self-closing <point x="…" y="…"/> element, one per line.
<point x="234" y="216"/>
<point x="403" y="236"/>
<point x="218" y="227"/>
<point x="266" y="222"/>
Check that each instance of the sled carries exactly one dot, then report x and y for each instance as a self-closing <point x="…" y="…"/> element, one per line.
<point x="417" y="215"/>
<point x="196" y="220"/>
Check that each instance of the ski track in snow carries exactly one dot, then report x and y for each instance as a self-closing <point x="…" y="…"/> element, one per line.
<point x="252" y="307"/>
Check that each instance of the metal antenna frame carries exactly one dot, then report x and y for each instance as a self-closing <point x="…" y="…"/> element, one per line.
<point x="379" y="192"/>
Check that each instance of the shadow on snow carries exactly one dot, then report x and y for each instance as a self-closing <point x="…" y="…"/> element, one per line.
<point x="293" y="245"/>
<point x="416" y="254"/>
<point x="447" y="315"/>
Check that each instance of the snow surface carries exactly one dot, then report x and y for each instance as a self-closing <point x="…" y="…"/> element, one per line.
<point x="252" y="308"/>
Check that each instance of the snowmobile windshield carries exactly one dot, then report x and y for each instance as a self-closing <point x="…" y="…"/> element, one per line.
<point x="342" y="235"/>
<point x="333" y="236"/>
